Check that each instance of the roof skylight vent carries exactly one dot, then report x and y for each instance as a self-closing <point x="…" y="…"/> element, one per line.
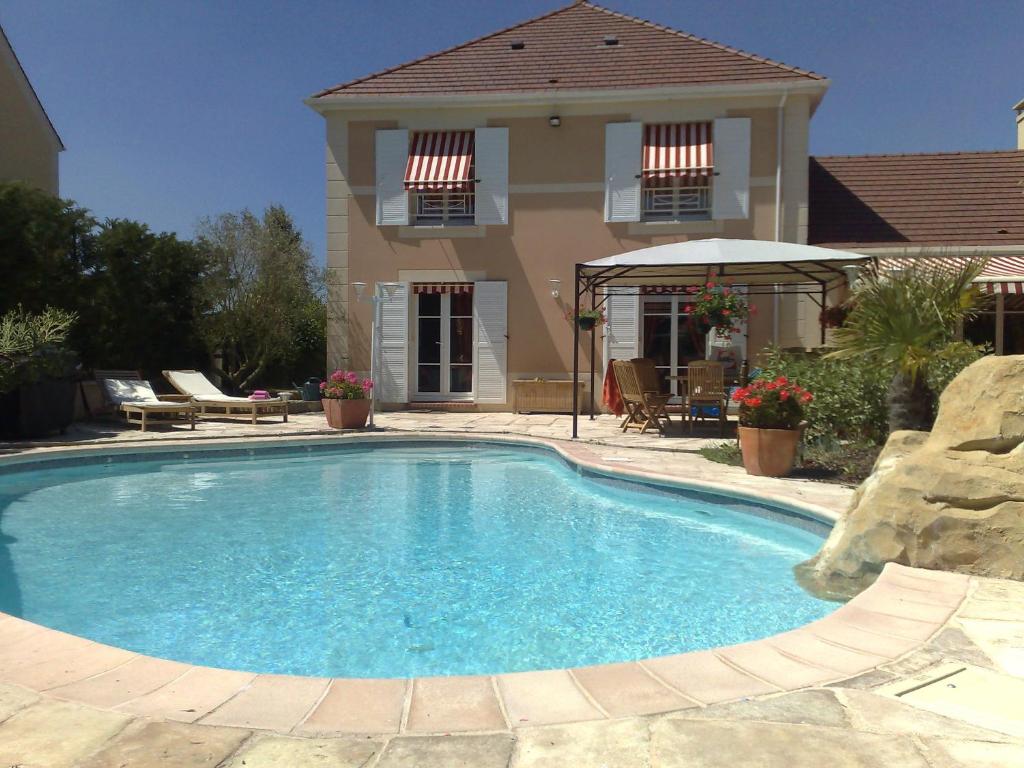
<point x="611" y="40"/>
<point x="517" y="45"/>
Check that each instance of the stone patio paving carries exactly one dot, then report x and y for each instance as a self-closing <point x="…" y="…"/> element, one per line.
<point x="852" y="722"/>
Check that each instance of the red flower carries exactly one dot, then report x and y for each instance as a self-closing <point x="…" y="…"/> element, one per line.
<point x="752" y="402"/>
<point x="806" y="397"/>
<point x="710" y="285"/>
<point x="784" y="395"/>
<point x="725" y="291"/>
<point x="782" y="380"/>
<point x="726" y="312"/>
<point x="688" y="308"/>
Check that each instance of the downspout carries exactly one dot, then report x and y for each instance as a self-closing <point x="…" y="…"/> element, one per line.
<point x="779" y="125"/>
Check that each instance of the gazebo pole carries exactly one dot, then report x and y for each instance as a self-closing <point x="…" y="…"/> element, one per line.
<point x="824" y="298"/>
<point x="593" y="334"/>
<point x="576" y="354"/>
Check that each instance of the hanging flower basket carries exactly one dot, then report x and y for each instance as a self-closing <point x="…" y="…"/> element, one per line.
<point x="720" y="307"/>
<point x="587" y="319"/>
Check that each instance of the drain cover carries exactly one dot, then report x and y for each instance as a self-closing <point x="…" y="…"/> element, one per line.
<point x="964" y="692"/>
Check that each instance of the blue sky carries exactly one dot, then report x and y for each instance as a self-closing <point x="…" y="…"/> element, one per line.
<point x="175" y="110"/>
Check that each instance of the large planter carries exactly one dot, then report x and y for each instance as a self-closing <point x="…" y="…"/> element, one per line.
<point x="38" y="409"/>
<point x="768" y="452"/>
<point x="346" y="414"/>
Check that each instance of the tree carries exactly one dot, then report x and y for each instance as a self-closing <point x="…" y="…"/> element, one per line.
<point x="258" y="285"/>
<point x="907" y="318"/>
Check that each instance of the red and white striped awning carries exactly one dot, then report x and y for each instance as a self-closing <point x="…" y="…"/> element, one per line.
<point x="440" y="160"/>
<point x="442" y="287"/>
<point x="1003" y="274"/>
<point x="678" y="150"/>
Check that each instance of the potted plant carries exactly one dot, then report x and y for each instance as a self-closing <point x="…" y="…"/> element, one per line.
<point x="769" y="430"/>
<point x="37" y="386"/>
<point x="346" y="400"/>
<point x="717" y="306"/>
<point x="587" y="319"/>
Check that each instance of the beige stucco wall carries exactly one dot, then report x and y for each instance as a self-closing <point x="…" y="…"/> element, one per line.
<point x="556" y="217"/>
<point x="28" y="149"/>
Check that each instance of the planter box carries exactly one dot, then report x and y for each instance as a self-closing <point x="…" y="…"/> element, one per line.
<point x="346" y="414"/>
<point x="38" y="409"/>
<point x="538" y="396"/>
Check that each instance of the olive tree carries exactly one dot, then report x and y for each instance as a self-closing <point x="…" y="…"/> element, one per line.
<point x="259" y="281"/>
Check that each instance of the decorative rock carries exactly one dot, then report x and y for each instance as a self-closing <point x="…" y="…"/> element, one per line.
<point x="950" y="500"/>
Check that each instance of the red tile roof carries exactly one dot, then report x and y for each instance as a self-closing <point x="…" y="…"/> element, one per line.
<point x="953" y="198"/>
<point x="566" y="49"/>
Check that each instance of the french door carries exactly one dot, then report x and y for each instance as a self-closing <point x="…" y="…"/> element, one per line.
<point x="444" y="346"/>
<point x="669" y="337"/>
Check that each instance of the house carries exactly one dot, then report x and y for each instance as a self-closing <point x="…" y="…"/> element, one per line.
<point x="934" y="204"/>
<point x="472" y="180"/>
<point x="29" y="144"/>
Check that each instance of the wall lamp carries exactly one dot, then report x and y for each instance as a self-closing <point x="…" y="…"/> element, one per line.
<point x="555" y="285"/>
<point x="554" y="121"/>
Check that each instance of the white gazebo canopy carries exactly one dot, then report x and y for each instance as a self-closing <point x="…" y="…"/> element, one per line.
<point x="753" y="262"/>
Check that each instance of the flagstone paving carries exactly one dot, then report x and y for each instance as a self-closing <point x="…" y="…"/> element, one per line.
<point x="816" y="696"/>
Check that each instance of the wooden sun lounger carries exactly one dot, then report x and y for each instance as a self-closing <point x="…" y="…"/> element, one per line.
<point x="128" y="394"/>
<point x="210" y="401"/>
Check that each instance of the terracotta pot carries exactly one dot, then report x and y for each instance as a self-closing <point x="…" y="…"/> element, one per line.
<point x="768" y="452"/>
<point x="346" y="414"/>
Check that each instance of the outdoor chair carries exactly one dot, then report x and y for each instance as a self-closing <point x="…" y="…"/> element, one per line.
<point x="645" y="406"/>
<point x="211" y="401"/>
<point x="130" y="395"/>
<point x="705" y="388"/>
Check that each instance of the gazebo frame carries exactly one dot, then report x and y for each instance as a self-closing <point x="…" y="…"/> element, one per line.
<point x="812" y="271"/>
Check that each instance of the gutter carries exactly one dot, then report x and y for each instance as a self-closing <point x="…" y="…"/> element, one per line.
<point x="332" y="102"/>
<point x="779" y="126"/>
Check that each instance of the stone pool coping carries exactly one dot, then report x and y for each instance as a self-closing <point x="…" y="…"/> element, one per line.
<point x="902" y="611"/>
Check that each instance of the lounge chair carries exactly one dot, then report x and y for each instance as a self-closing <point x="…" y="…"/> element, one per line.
<point x="705" y="388"/>
<point x="131" y="395"/>
<point x="645" y="407"/>
<point x="206" y="397"/>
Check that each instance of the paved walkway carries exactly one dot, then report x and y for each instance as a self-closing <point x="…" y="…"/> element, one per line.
<point x="857" y="689"/>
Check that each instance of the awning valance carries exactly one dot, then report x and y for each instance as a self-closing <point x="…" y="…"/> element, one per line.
<point x="440" y="160"/>
<point x="678" y="150"/>
<point x="1003" y="274"/>
<point x="442" y="287"/>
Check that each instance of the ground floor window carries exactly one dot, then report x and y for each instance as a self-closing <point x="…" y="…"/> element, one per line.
<point x="670" y="337"/>
<point x="444" y="345"/>
<point x="1000" y="324"/>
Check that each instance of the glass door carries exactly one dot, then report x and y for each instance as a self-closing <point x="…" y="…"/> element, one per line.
<point x="670" y="338"/>
<point x="444" y="346"/>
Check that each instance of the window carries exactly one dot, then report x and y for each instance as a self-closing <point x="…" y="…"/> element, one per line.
<point x="444" y="208"/>
<point x="676" y="199"/>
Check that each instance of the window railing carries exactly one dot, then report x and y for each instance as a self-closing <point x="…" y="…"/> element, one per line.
<point x="672" y="202"/>
<point x="441" y="208"/>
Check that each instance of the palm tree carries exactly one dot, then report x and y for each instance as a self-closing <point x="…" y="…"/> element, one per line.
<point x="904" y="317"/>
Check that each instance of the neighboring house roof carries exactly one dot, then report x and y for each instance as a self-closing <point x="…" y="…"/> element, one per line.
<point x="566" y="50"/>
<point x="10" y="58"/>
<point x="934" y="199"/>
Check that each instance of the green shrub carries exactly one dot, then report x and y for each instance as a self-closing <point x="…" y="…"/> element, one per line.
<point x="849" y="396"/>
<point x="31" y="346"/>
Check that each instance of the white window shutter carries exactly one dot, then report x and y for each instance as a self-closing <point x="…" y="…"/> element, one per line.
<point x="730" y="191"/>
<point x="490" y="310"/>
<point x="623" y="150"/>
<point x="622" y="331"/>
<point x="393" y="386"/>
<point x="391" y="153"/>
<point x="491" y="161"/>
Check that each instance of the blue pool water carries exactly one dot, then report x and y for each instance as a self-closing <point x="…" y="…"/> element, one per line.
<point x="392" y="562"/>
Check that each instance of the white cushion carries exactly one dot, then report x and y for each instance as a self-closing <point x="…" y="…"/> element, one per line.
<point x="120" y="391"/>
<point x="195" y="384"/>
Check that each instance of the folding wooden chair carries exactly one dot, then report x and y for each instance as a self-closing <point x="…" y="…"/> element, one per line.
<point x="705" y="388"/>
<point x="644" y="409"/>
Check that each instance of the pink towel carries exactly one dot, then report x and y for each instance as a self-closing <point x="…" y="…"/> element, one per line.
<point x="259" y="394"/>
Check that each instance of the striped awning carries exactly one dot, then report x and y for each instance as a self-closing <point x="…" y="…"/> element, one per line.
<point x="442" y="287"/>
<point x="440" y="160"/>
<point x="678" y="150"/>
<point x="1003" y="274"/>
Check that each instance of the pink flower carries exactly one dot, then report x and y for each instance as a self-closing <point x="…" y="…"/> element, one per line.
<point x="688" y="308"/>
<point x="338" y="376"/>
<point x="351" y="377"/>
<point x="367" y="384"/>
<point x="726" y="291"/>
<point x="709" y="285"/>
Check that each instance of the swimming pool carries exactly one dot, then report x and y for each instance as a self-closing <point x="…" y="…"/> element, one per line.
<point x="393" y="560"/>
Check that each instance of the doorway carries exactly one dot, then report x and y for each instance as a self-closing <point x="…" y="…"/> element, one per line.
<point x="444" y="346"/>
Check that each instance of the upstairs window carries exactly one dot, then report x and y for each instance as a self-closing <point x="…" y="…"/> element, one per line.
<point x="677" y="172"/>
<point x="440" y="178"/>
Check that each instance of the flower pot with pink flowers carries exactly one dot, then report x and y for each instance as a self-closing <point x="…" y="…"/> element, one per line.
<point x="771" y="413"/>
<point x="346" y="400"/>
